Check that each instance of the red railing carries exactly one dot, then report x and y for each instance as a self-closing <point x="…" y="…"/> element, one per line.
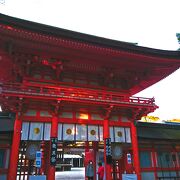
<point x="71" y="94"/>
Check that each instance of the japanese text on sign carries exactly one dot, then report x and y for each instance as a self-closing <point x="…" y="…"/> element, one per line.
<point x="108" y="150"/>
<point x="53" y="151"/>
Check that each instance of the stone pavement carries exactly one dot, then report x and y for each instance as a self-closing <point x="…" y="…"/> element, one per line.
<point x="75" y="173"/>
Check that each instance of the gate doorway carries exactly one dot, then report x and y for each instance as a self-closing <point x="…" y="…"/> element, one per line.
<point x="70" y="161"/>
<point x="73" y="158"/>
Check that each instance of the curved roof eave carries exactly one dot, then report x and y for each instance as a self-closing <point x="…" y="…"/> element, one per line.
<point x="99" y="41"/>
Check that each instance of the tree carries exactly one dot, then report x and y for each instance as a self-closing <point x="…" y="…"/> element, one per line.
<point x="174" y="120"/>
<point x="150" y="119"/>
<point x="178" y="38"/>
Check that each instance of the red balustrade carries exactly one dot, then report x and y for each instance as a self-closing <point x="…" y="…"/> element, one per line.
<point x="72" y="94"/>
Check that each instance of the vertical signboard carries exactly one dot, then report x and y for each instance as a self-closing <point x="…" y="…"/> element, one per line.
<point x="53" y="154"/>
<point x="38" y="159"/>
<point x="108" y="151"/>
<point x="129" y="160"/>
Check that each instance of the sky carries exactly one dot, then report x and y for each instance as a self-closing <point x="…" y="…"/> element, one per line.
<point x="152" y="23"/>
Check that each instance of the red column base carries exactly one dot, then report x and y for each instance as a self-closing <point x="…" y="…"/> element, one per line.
<point x="108" y="172"/>
<point x="51" y="173"/>
<point x="15" y="150"/>
<point x="54" y="130"/>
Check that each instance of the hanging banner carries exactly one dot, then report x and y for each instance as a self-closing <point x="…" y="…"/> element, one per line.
<point x="53" y="154"/>
<point x="25" y="131"/>
<point x="93" y="133"/>
<point x="81" y="132"/>
<point x="119" y="134"/>
<point x="68" y="132"/>
<point x="101" y="133"/>
<point x="128" y="135"/>
<point x="112" y="133"/>
<point x="108" y="151"/>
<point x="60" y="132"/>
<point x="47" y="131"/>
<point x="36" y="131"/>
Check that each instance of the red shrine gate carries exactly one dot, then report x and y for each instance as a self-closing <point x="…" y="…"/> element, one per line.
<point x="75" y="89"/>
<point x="74" y="123"/>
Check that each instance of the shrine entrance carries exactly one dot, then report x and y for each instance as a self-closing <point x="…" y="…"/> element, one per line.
<point x="75" y="146"/>
<point x="69" y="155"/>
<point x="72" y="158"/>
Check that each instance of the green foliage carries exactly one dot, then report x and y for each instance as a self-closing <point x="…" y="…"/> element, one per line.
<point x="178" y="37"/>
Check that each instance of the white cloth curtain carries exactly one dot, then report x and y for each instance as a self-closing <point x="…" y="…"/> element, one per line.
<point x="47" y="131"/>
<point x="60" y="132"/>
<point x="128" y="135"/>
<point x="93" y="134"/>
<point x="36" y="131"/>
<point x="68" y="132"/>
<point x="81" y="132"/>
<point x="25" y="131"/>
<point x="101" y="133"/>
<point x="119" y="134"/>
<point x="112" y="134"/>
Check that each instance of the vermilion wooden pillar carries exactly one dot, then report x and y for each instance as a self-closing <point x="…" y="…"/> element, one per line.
<point x="86" y="159"/>
<point x="95" y="149"/>
<point x="13" y="163"/>
<point x="54" y="132"/>
<point x="154" y="162"/>
<point x="107" y="167"/>
<point x="47" y="156"/>
<point x="135" y="150"/>
<point x="86" y="146"/>
<point x="42" y="169"/>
